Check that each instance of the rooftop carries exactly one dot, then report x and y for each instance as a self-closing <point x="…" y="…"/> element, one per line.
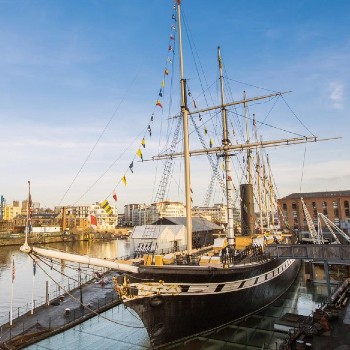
<point x="345" y="193"/>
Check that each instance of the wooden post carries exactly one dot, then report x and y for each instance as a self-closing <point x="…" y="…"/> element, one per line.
<point x="47" y="294"/>
<point x="326" y="271"/>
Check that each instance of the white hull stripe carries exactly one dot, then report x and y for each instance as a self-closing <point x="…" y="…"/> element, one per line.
<point x="149" y="289"/>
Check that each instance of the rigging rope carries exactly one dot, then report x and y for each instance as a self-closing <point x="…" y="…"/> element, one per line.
<point x="302" y="170"/>
<point x="100" y="136"/>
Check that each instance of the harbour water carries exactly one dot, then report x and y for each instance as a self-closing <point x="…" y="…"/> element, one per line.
<point x="120" y="328"/>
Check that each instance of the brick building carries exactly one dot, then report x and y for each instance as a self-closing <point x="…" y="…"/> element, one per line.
<point x="333" y="204"/>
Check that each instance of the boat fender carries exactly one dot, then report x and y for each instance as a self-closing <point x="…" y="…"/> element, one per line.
<point x="156" y="300"/>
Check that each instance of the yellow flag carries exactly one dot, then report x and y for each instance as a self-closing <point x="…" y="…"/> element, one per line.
<point x="124" y="180"/>
<point x="139" y="153"/>
<point x="143" y="143"/>
<point x="163" y="83"/>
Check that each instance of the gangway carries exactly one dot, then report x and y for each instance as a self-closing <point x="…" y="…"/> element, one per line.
<point x="327" y="254"/>
<point x="332" y="253"/>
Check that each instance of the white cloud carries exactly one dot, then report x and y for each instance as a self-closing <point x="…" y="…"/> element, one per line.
<point x="336" y="94"/>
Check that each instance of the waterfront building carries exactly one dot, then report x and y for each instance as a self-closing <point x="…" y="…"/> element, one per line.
<point x="128" y="213"/>
<point x="104" y="221"/>
<point x="217" y="213"/>
<point x="333" y="204"/>
<point x="2" y="206"/>
<point x="11" y="211"/>
<point x="143" y="214"/>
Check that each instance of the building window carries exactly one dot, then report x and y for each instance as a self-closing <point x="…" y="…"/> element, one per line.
<point x="284" y="206"/>
<point x="324" y="207"/>
<point x="347" y="209"/>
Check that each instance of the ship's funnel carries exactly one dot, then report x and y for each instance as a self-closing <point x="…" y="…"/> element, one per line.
<point x="247" y="209"/>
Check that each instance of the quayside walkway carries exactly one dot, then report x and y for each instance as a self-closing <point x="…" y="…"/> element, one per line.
<point x="61" y="314"/>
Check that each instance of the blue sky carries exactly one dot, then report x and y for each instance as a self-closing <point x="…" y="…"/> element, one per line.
<point x="69" y="68"/>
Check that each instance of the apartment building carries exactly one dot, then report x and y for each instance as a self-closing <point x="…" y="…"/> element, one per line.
<point x="217" y="213"/>
<point x="143" y="214"/>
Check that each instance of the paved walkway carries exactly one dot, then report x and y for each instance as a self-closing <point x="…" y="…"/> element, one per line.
<point x="59" y="315"/>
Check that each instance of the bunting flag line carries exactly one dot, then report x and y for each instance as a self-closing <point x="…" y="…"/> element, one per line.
<point x="211" y="143"/>
<point x="107" y="208"/>
<point x="195" y="104"/>
<point x="139" y="153"/>
<point x="159" y="101"/>
<point x="205" y="131"/>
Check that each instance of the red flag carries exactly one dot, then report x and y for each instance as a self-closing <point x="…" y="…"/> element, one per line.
<point x="159" y="104"/>
<point x="93" y="220"/>
<point x="115" y="196"/>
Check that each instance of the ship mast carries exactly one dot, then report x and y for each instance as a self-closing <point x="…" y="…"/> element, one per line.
<point x="258" y="170"/>
<point x="226" y="142"/>
<point x="184" y="113"/>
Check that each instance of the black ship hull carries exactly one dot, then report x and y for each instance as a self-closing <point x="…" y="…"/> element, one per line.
<point x="206" y="298"/>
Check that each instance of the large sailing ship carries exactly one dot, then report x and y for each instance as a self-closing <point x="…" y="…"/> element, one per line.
<point x="191" y="291"/>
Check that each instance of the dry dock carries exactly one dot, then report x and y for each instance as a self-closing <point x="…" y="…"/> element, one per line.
<point x="61" y="314"/>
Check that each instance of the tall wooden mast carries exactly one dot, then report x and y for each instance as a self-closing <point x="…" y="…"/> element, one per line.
<point x="226" y="142"/>
<point x="184" y="114"/>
